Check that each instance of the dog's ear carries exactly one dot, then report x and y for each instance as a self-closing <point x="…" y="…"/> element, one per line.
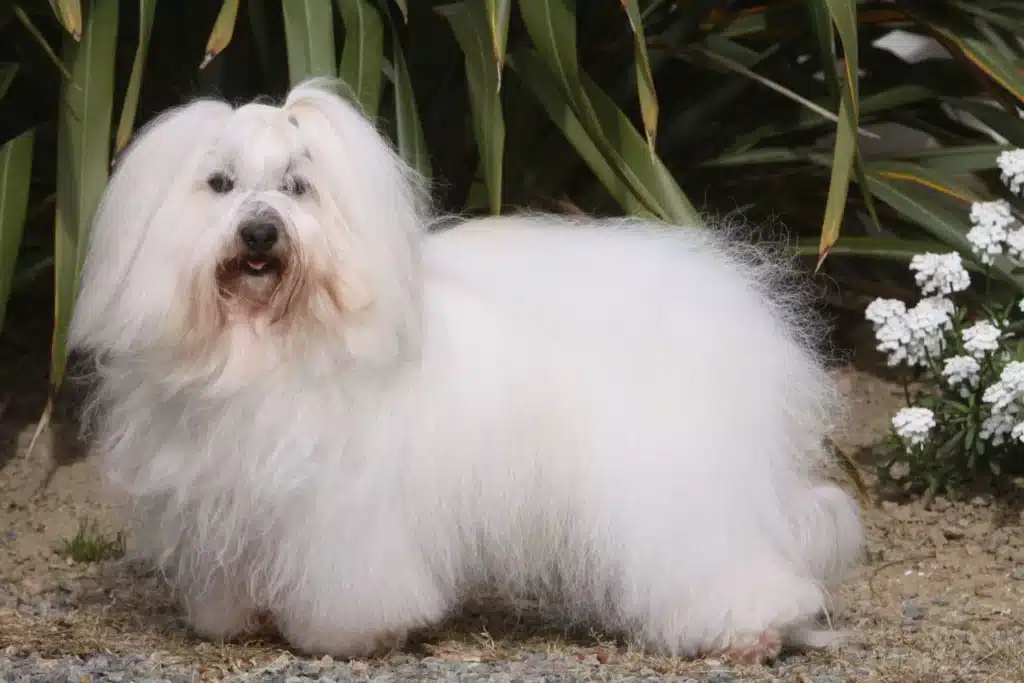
<point x="158" y="160"/>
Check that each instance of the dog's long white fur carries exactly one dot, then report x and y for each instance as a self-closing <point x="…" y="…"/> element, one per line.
<point x="622" y="415"/>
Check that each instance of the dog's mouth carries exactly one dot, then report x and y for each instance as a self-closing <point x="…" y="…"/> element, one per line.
<point x="259" y="266"/>
<point x="249" y="281"/>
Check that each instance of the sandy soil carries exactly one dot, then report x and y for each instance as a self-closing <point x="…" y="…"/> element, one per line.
<point x="941" y="600"/>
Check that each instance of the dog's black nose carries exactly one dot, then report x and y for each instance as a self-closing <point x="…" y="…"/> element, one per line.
<point x="259" y="236"/>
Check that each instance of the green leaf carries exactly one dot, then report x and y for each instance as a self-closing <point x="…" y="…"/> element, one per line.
<point x="223" y="29"/>
<point x="885" y="248"/>
<point x="844" y="15"/>
<point x="552" y="28"/>
<point x="83" y="160"/>
<point x="918" y="203"/>
<point x="1008" y="126"/>
<point x="644" y="77"/>
<point x="822" y="23"/>
<point x="411" y="144"/>
<point x="973" y="7"/>
<point x="362" y="53"/>
<point x="147" y="10"/>
<point x="470" y="24"/>
<point x="986" y="57"/>
<point x="403" y="6"/>
<point x="961" y="159"/>
<point x="69" y="13"/>
<point x="936" y="179"/>
<point x="309" y="39"/>
<point x="544" y="87"/>
<point x="15" y="178"/>
<point x="497" y="19"/>
<point x="26" y="21"/>
<point x="8" y="71"/>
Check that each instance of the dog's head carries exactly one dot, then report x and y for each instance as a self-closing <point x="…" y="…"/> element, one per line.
<point x="233" y="238"/>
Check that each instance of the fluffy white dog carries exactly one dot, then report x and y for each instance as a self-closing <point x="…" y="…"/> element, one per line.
<point x="325" y="413"/>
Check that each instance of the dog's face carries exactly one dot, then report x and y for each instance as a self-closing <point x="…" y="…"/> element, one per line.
<point x="254" y="236"/>
<point x="267" y="213"/>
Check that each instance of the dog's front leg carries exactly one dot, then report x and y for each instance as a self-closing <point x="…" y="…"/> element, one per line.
<point x="220" y="610"/>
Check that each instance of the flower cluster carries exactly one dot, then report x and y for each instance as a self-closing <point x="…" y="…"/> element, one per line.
<point x="1011" y="164"/>
<point x="916" y="336"/>
<point x="1006" y="398"/>
<point x="962" y="373"/>
<point x="940" y="273"/>
<point x="970" y="408"/>
<point x="994" y="231"/>
<point x="913" y="425"/>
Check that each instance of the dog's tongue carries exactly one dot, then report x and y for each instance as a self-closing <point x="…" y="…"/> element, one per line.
<point x="257" y="265"/>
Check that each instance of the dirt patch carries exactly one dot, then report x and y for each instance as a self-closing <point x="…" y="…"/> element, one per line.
<point x="942" y="598"/>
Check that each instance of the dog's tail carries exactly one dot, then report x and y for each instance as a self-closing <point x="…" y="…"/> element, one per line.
<point x="831" y="532"/>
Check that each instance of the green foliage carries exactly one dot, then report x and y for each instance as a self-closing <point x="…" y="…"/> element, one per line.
<point x="90" y="544"/>
<point x="645" y="107"/>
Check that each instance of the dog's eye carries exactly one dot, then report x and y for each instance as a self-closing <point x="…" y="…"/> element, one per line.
<point x="220" y="183"/>
<point x="296" y="186"/>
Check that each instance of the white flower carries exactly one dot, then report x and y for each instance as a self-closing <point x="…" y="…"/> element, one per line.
<point x="915" y="336"/>
<point x="1017" y="433"/>
<point x="893" y="338"/>
<point x="963" y="372"/>
<point x="1011" y="163"/>
<point x="940" y="273"/>
<point x="880" y="311"/>
<point x="995" y="214"/>
<point x="1004" y="399"/>
<point x="981" y="338"/>
<point x="1015" y="244"/>
<point x="987" y="242"/>
<point x="991" y="222"/>
<point x="913" y="425"/>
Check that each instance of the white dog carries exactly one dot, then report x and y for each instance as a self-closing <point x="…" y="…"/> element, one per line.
<point x="326" y="414"/>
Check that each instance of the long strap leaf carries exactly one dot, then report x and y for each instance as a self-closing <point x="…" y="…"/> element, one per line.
<point x="15" y="178"/>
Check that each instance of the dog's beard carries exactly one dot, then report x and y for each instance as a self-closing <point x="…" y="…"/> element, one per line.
<point x="251" y="287"/>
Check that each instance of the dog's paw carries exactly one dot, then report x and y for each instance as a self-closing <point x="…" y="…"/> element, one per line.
<point x="752" y="650"/>
<point x="347" y="644"/>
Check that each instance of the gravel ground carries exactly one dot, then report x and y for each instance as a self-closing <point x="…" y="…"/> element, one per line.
<point x="940" y="602"/>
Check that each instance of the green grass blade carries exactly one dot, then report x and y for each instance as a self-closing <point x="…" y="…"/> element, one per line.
<point x="83" y="160"/>
<point x="883" y="248"/>
<point x="69" y="13"/>
<point x="15" y="177"/>
<point x="498" y="12"/>
<point x="403" y="7"/>
<point x="411" y="144"/>
<point x="844" y="15"/>
<point x="147" y="10"/>
<point x="542" y="84"/>
<point x="1003" y="123"/>
<point x="8" y="70"/>
<point x="821" y="21"/>
<point x="552" y="28"/>
<point x="471" y="25"/>
<point x="985" y="56"/>
<point x="961" y="159"/>
<point x="950" y="184"/>
<point x="362" y="53"/>
<point x="309" y="39"/>
<point x="26" y="21"/>
<point x="223" y="29"/>
<point x="1012" y="24"/>
<point x="644" y="77"/>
